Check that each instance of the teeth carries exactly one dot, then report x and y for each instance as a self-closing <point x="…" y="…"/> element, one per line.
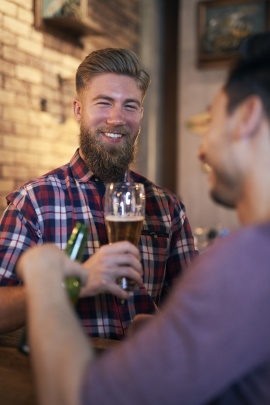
<point x="110" y="135"/>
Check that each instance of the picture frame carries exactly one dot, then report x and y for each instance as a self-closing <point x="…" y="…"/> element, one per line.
<point x="224" y="24"/>
<point x="71" y="17"/>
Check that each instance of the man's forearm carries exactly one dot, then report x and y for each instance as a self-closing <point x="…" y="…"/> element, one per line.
<point x="65" y="349"/>
<point x="12" y="308"/>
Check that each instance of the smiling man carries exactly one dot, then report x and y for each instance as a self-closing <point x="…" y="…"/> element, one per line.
<point x="110" y="112"/>
<point x="111" y="88"/>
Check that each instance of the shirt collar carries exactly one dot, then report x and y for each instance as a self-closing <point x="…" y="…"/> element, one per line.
<point x="80" y="171"/>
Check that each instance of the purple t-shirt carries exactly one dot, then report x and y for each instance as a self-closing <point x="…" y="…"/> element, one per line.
<point x="211" y="344"/>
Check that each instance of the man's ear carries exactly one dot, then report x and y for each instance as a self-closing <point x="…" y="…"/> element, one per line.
<point x="251" y="116"/>
<point x="77" y="109"/>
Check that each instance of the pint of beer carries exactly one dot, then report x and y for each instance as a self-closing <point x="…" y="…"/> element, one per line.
<point x="124" y="215"/>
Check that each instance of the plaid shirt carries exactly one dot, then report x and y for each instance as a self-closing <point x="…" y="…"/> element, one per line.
<point x="47" y="209"/>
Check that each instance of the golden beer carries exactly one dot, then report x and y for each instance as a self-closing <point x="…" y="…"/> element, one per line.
<point x="124" y="228"/>
<point x="120" y="229"/>
<point x="124" y="213"/>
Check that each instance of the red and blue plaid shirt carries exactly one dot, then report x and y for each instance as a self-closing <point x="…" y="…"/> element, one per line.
<point x="47" y="209"/>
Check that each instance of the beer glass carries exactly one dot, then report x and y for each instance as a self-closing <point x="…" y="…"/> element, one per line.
<point x="124" y="213"/>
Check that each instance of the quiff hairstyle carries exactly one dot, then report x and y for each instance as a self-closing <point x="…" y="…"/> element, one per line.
<point x="111" y="60"/>
<point x="250" y="73"/>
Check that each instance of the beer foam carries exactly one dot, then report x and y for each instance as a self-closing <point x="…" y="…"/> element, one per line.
<point x="119" y="218"/>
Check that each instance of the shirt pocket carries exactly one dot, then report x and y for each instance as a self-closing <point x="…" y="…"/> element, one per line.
<point x="155" y="250"/>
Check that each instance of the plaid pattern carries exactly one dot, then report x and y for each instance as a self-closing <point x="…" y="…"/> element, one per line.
<point x="47" y="209"/>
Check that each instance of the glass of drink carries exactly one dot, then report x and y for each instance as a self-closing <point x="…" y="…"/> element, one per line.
<point x="124" y="214"/>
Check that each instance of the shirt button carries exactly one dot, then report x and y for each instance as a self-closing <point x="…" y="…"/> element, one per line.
<point x="123" y="302"/>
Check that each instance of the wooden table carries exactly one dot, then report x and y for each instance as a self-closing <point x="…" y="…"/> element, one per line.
<point x="16" y="377"/>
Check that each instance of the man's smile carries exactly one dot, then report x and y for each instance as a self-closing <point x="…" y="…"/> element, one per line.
<point x="113" y="135"/>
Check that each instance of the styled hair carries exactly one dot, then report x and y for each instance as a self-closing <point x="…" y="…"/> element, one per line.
<point x="111" y="60"/>
<point x="250" y="74"/>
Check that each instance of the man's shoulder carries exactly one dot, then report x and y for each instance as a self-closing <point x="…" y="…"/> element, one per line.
<point x="54" y="178"/>
<point x="247" y="246"/>
<point x="58" y="174"/>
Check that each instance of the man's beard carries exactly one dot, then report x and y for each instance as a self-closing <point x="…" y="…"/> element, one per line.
<point x="111" y="163"/>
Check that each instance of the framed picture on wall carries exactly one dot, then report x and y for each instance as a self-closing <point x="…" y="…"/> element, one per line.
<point x="224" y="24"/>
<point x="72" y="17"/>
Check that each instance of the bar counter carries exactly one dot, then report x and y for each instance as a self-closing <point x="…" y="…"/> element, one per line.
<point x="16" y="377"/>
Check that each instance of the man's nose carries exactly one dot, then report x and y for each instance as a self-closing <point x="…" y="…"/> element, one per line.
<point x="116" y="116"/>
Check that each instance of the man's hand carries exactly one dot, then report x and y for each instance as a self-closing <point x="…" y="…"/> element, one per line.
<point x="139" y="322"/>
<point x="39" y="263"/>
<point x="121" y="259"/>
<point x="98" y="274"/>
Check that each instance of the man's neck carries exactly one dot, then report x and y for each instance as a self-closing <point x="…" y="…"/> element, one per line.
<point x="81" y="154"/>
<point x="254" y="206"/>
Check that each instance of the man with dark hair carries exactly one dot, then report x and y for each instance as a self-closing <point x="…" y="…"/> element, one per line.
<point x="110" y="87"/>
<point x="210" y="344"/>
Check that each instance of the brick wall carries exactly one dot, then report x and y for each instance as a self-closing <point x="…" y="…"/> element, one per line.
<point x="34" y="141"/>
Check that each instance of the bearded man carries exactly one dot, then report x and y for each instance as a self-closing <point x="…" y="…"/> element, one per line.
<point x="110" y="89"/>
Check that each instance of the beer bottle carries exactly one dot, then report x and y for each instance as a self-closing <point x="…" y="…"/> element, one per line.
<point x="72" y="284"/>
<point x="74" y="249"/>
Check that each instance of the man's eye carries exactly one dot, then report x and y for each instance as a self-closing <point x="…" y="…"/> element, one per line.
<point x="131" y="107"/>
<point x="103" y="103"/>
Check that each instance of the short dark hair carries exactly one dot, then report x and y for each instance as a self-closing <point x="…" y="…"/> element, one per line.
<point x="250" y="73"/>
<point x="111" y="60"/>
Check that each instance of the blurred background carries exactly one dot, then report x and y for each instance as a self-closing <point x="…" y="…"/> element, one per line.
<point x="42" y="42"/>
